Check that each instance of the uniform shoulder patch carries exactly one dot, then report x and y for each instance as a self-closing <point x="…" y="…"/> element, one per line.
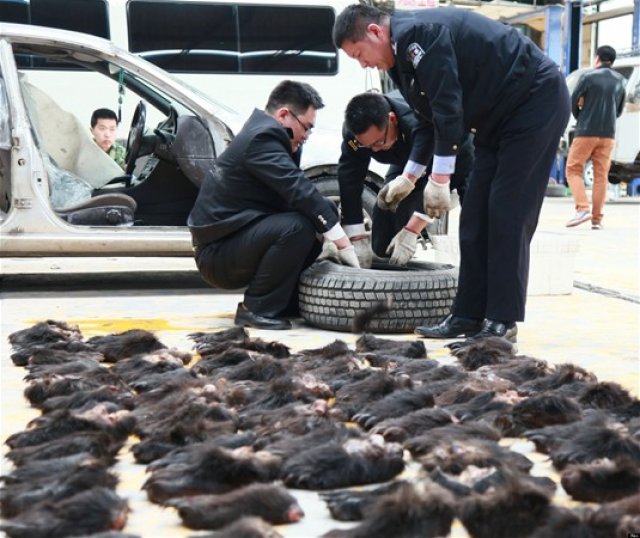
<point x="414" y="54"/>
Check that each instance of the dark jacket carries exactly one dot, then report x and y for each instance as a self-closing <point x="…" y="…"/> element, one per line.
<point x="256" y="176"/>
<point x="602" y="92"/>
<point x="461" y="71"/>
<point x="354" y="161"/>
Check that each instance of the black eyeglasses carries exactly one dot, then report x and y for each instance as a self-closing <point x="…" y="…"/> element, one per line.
<point x="306" y="128"/>
<point x="377" y="143"/>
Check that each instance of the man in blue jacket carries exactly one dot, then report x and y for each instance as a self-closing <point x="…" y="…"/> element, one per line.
<point x="463" y="72"/>
<point x="256" y="217"/>
<point x="596" y="103"/>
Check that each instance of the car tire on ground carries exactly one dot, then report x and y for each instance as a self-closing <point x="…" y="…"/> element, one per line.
<point x="332" y="295"/>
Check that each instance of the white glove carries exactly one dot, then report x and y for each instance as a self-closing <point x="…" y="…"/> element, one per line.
<point x="436" y="198"/>
<point x="363" y="251"/>
<point x="345" y="256"/>
<point x="402" y="247"/>
<point x="394" y="192"/>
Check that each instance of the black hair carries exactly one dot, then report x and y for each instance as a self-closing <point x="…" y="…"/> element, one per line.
<point x="102" y="113"/>
<point x="365" y="110"/>
<point x="298" y="96"/>
<point x="606" y="54"/>
<point x="351" y="24"/>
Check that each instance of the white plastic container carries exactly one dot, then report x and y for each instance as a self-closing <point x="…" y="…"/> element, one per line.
<point x="553" y="257"/>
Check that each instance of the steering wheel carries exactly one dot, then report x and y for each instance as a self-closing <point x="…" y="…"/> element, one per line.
<point x="134" y="141"/>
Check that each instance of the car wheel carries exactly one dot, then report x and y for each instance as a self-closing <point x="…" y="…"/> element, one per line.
<point x="587" y="175"/>
<point x="556" y="190"/>
<point x="332" y="295"/>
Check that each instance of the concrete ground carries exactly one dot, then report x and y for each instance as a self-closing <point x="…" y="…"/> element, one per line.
<point x="594" y="323"/>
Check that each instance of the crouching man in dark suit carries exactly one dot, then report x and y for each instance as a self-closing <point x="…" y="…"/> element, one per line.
<point x="256" y="219"/>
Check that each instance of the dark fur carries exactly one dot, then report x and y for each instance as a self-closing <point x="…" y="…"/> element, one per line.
<point x="519" y="370"/>
<point x="539" y="411"/>
<point x="179" y="413"/>
<point x="590" y="444"/>
<point x="423" y="444"/>
<point x="455" y="456"/>
<point x="411" y="511"/>
<point x="206" y="468"/>
<point x="108" y="393"/>
<point x="299" y="436"/>
<point x="211" y="343"/>
<point x="605" y="396"/>
<point x="398" y="403"/>
<point x="612" y="520"/>
<point x="350" y="505"/>
<point x="229" y="357"/>
<point x="91" y="511"/>
<point x="270" y="502"/>
<point x="98" y="444"/>
<point x="566" y="377"/>
<point x="337" y="348"/>
<point x="352" y="397"/>
<point x="67" y="422"/>
<point x="38" y="469"/>
<point x="50" y="386"/>
<point x="80" y="365"/>
<point x="126" y="344"/>
<point x="55" y="353"/>
<point x="43" y="333"/>
<point x="158" y="362"/>
<point x="414" y="350"/>
<point x="415" y="423"/>
<point x="601" y="481"/>
<point x="352" y="463"/>
<point x="550" y="438"/>
<point x="362" y="320"/>
<point x="488" y="406"/>
<point x="19" y="498"/>
<point x="512" y="511"/>
<point x="486" y="479"/>
<point x="484" y="352"/>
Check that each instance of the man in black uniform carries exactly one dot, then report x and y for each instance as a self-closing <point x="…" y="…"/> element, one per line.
<point x="467" y="73"/>
<point x="256" y="217"/>
<point x="381" y="127"/>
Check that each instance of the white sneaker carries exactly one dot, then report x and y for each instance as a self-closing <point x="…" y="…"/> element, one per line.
<point x="579" y="218"/>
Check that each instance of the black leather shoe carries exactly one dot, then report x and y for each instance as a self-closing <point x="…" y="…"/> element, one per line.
<point x="246" y="318"/>
<point x="490" y="328"/>
<point x="508" y="331"/>
<point x="451" y="327"/>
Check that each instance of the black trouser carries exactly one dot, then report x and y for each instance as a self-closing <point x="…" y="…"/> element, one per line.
<point x="386" y="224"/>
<point x="267" y="256"/>
<point x="503" y="201"/>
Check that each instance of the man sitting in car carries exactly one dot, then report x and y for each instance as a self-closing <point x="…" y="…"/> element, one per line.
<point x="104" y="128"/>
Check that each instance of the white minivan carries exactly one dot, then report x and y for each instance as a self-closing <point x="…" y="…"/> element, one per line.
<point x="225" y="57"/>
